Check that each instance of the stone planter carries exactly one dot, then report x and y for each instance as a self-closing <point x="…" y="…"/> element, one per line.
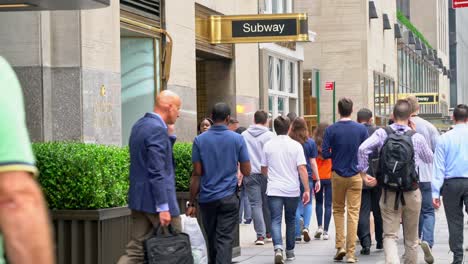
<point x="91" y="236"/>
<point x="183" y="197"/>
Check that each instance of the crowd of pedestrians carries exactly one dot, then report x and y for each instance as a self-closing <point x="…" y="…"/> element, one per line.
<point x="271" y="170"/>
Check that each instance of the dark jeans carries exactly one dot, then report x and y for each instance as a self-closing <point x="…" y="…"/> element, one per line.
<point x="325" y="192"/>
<point x="220" y="218"/>
<point x="370" y="202"/>
<point x="276" y="204"/>
<point x="455" y="193"/>
<point x="427" y="216"/>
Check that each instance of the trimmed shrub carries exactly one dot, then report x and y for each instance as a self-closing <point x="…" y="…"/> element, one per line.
<point x="183" y="161"/>
<point x="82" y="176"/>
<point x="89" y="176"/>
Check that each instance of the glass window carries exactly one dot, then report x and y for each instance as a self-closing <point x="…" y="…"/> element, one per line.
<point x="270" y="72"/>
<point x="376" y="95"/>
<point x="270" y="104"/>
<point x="280" y="75"/>
<point x="281" y="107"/>
<point x="291" y="77"/>
<point x="140" y="79"/>
<point x="285" y="6"/>
<point x="275" y="7"/>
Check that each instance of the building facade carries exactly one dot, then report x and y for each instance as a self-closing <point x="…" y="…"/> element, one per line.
<point x="356" y="52"/>
<point x="280" y="64"/>
<point x="458" y="19"/>
<point x="88" y="75"/>
<point x="429" y="54"/>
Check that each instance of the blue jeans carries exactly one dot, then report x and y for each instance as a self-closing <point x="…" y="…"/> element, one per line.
<point x="304" y="211"/>
<point x="255" y="187"/>
<point x="427" y="216"/>
<point x="325" y="191"/>
<point x="276" y="205"/>
<point x="245" y="209"/>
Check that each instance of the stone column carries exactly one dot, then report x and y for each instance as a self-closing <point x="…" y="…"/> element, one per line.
<point x="63" y="59"/>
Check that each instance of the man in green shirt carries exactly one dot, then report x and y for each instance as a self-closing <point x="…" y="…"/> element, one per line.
<point x="24" y="221"/>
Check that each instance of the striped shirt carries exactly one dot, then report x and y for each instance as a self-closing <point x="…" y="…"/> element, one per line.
<point x="422" y="151"/>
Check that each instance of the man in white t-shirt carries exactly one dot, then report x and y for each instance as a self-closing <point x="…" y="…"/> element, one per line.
<point x="283" y="161"/>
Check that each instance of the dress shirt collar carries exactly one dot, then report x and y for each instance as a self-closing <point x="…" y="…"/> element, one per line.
<point x="159" y="117"/>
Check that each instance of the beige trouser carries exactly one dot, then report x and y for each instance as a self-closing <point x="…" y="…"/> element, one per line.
<point x="391" y="226"/>
<point x="346" y="192"/>
<point x="142" y="229"/>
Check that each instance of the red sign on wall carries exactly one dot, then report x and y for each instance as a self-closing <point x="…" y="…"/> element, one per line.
<point x="329" y="86"/>
<point x="460" y="3"/>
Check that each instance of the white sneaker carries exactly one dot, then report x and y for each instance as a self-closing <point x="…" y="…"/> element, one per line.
<point x="318" y="233"/>
<point x="325" y="235"/>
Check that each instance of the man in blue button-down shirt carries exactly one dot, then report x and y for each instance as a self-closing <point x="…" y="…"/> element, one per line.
<point x="451" y="171"/>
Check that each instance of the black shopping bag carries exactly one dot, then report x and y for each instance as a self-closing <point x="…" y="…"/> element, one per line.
<point x="168" y="247"/>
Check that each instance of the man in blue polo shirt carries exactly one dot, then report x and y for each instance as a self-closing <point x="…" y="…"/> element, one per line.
<point x="215" y="156"/>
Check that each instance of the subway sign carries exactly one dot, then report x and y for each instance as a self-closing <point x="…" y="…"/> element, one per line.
<point x="219" y="29"/>
<point x="423" y="98"/>
<point x="264" y="28"/>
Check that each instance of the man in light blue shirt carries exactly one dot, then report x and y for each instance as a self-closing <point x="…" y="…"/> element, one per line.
<point x="427" y="216"/>
<point x="451" y="171"/>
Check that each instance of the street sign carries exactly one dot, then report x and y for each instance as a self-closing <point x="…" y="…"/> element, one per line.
<point x="329" y="86"/>
<point x="219" y="29"/>
<point x="423" y="98"/>
<point x="460" y="3"/>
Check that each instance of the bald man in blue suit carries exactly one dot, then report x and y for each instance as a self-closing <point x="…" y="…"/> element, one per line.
<point x="152" y="194"/>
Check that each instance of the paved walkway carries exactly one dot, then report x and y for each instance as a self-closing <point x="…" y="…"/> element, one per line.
<point x="320" y="251"/>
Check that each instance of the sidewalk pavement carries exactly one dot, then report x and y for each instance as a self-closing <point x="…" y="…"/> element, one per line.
<point x="322" y="251"/>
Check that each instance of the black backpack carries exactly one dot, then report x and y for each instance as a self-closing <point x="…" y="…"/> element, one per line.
<point x="168" y="248"/>
<point x="397" y="169"/>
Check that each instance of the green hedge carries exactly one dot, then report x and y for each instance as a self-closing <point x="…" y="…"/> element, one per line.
<point x="89" y="176"/>
<point x="405" y="21"/>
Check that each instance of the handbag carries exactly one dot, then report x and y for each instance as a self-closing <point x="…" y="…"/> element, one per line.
<point x="197" y="240"/>
<point x="168" y="247"/>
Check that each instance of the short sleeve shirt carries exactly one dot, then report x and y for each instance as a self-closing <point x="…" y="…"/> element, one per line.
<point x="282" y="157"/>
<point x="219" y="150"/>
<point x="15" y="148"/>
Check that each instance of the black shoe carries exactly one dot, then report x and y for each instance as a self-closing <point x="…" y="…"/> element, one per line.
<point x="365" y="251"/>
<point x="379" y="245"/>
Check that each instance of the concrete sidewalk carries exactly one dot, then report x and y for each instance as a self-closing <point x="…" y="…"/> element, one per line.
<point x="321" y="251"/>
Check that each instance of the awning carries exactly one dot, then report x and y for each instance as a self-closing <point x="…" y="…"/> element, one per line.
<point x="39" y="5"/>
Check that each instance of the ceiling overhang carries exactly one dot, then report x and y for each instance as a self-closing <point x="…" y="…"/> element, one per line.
<point x="41" y="5"/>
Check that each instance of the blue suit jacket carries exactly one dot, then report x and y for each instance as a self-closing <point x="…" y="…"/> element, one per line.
<point x="152" y="177"/>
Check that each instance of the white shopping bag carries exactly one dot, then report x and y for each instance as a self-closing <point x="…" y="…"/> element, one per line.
<point x="190" y="226"/>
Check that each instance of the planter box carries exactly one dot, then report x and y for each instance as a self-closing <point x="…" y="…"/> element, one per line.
<point x="100" y="236"/>
<point x="91" y="236"/>
<point x="183" y="197"/>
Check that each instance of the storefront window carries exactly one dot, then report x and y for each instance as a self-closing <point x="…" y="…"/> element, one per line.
<point x="384" y="97"/>
<point x="282" y="86"/>
<point x="291" y="76"/>
<point x="281" y="106"/>
<point x="270" y="72"/>
<point x="140" y="79"/>
<point x="280" y="74"/>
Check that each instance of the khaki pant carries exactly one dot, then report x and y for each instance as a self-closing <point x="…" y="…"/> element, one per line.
<point x="391" y="226"/>
<point x="346" y="192"/>
<point x="142" y="229"/>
